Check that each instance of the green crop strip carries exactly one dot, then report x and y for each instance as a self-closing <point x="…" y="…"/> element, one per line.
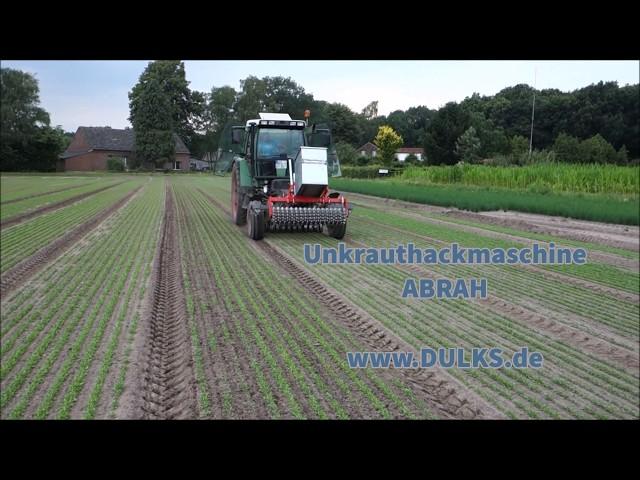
<point x="274" y="324"/>
<point x="22" y="240"/>
<point x="24" y="206"/>
<point x="602" y="208"/>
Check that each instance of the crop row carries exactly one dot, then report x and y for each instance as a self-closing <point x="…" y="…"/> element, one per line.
<point x="14" y="187"/>
<point x="593" y="271"/>
<point x="571" y="385"/>
<point x="295" y="356"/>
<point x="597" y="389"/>
<point x="50" y="353"/>
<point x="28" y="204"/>
<point x="22" y="240"/>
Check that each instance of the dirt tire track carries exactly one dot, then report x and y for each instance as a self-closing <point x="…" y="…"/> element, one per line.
<point x="54" y="206"/>
<point x="19" y="273"/>
<point x="168" y="383"/>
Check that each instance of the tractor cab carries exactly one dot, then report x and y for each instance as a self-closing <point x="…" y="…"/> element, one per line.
<point x="270" y="141"/>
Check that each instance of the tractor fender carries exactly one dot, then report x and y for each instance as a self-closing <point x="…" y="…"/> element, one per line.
<point x="245" y="176"/>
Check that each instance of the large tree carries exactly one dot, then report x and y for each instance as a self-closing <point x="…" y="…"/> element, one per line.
<point x="442" y="133"/>
<point x="153" y="123"/>
<point x="27" y="142"/>
<point x="184" y="106"/>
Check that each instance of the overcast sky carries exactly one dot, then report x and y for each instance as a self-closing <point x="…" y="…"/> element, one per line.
<point x="94" y="93"/>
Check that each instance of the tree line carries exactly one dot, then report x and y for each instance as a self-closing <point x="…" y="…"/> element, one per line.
<point x="597" y="123"/>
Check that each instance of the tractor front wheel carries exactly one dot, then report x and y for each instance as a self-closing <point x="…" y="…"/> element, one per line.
<point x="238" y="214"/>
<point x="255" y="223"/>
<point x="337" y="231"/>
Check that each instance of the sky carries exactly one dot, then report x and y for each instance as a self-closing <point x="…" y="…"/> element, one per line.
<point x="94" y="93"/>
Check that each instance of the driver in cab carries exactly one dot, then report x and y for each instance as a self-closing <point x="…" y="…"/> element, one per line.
<point x="267" y="146"/>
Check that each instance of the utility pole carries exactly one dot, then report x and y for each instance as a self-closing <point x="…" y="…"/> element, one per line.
<point x="533" y="110"/>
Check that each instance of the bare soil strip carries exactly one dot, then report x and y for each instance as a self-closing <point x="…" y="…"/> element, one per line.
<point x="35" y="195"/>
<point x="54" y="206"/>
<point x="168" y="383"/>
<point x="18" y="274"/>
<point x="620" y="236"/>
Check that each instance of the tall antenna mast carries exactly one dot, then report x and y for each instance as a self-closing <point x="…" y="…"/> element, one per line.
<point x="533" y="110"/>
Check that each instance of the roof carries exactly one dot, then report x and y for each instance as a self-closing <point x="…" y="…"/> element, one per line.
<point x="274" y="116"/>
<point x="410" y="150"/>
<point x="367" y="146"/>
<point x="107" y="138"/>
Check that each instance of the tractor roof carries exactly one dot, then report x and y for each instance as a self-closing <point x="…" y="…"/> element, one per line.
<point x="277" y="117"/>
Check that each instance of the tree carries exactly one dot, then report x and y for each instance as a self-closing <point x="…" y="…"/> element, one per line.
<point x="468" y="146"/>
<point x="346" y="153"/>
<point x="567" y="148"/>
<point x="153" y="120"/>
<point x="370" y="111"/>
<point x="450" y="122"/>
<point x="27" y="142"/>
<point x="183" y="106"/>
<point x="622" y="157"/>
<point x="343" y="123"/>
<point x="597" y="150"/>
<point x="387" y="141"/>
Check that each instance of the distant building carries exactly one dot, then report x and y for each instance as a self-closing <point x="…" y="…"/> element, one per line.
<point x="370" y="150"/>
<point x="91" y="148"/>
<point x="198" y="165"/>
<point x="402" y="153"/>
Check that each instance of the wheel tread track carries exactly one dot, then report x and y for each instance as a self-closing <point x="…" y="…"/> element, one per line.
<point x="168" y="380"/>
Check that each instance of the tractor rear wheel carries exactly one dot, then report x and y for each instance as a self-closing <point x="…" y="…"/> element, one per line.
<point x="337" y="231"/>
<point x="255" y="223"/>
<point x="238" y="214"/>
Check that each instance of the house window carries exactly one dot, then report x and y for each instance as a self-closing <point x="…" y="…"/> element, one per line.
<point x="373" y="153"/>
<point x="124" y="160"/>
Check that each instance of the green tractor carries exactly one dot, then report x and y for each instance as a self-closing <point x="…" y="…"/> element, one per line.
<point x="280" y="172"/>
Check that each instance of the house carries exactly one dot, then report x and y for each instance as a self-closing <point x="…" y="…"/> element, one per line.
<point x="402" y="153"/>
<point x="368" y="150"/>
<point x="91" y="148"/>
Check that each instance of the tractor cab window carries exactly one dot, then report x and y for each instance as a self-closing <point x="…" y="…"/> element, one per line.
<point x="272" y="143"/>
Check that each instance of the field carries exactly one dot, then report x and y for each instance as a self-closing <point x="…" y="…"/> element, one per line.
<point x="136" y="297"/>
<point x="609" y="208"/>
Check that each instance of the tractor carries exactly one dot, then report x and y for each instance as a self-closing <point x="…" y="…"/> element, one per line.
<point x="280" y="169"/>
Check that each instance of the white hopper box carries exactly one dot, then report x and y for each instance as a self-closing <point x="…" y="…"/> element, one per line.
<point x="311" y="174"/>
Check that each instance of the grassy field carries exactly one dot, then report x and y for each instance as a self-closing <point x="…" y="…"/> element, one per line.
<point x="536" y="178"/>
<point x="603" y="208"/>
<point x="143" y="300"/>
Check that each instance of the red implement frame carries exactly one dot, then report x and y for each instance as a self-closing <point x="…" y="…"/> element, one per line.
<point x="292" y="199"/>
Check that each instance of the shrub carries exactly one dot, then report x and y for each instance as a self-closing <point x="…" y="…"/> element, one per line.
<point x="362" y="160"/>
<point x="411" y="159"/>
<point x="115" y="164"/>
<point x="346" y="153"/>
